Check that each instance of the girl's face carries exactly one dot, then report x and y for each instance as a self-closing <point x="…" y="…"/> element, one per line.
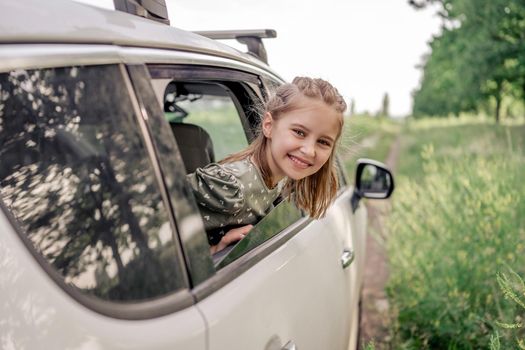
<point x="301" y="141"/>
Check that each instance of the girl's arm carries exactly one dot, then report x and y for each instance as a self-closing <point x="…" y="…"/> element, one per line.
<point x="216" y="189"/>
<point x="232" y="236"/>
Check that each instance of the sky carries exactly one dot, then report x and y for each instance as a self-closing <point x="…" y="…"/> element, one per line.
<point x="365" y="48"/>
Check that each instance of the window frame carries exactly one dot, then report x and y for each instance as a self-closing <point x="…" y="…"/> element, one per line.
<point x="236" y="81"/>
<point x="140" y="310"/>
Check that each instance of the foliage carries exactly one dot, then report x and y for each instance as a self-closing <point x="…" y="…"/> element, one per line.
<point x="456" y="137"/>
<point x="476" y="61"/>
<point x="513" y="289"/>
<point x="441" y="92"/>
<point x="456" y="219"/>
<point x="369" y="346"/>
<point x="494" y="341"/>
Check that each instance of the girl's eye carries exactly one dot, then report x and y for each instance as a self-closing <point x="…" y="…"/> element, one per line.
<point x="299" y="132"/>
<point x="325" y="143"/>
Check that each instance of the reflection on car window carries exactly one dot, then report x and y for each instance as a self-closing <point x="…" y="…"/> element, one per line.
<point x="172" y="166"/>
<point x="282" y="216"/>
<point x="76" y="176"/>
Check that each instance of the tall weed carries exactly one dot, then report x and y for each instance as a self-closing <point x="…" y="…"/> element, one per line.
<point x="513" y="288"/>
<point x="451" y="228"/>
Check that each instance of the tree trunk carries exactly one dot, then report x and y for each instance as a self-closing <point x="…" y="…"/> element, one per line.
<point x="498" y="97"/>
<point x="523" y="91"/>
<point x="498" y="108"/>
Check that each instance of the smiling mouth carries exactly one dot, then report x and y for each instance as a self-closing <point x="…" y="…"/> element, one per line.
<point x="299" y="162"/>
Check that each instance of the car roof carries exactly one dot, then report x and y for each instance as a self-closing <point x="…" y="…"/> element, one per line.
<point x="69" y="22"/>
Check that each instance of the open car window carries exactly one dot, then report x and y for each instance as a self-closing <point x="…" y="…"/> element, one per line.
<point x="211" y="115"/>
<point x="204" y="120"/>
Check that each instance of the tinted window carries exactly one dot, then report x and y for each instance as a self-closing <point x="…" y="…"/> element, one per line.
<point x="76" y="175"/>
<point x="282" y="216"/>
<point x="270" y="87"/>
<point x="199" y="264"/>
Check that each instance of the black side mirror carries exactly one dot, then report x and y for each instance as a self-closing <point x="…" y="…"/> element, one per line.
<point x="372" y="180"/>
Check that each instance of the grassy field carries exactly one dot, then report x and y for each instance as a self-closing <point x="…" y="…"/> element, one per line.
<point x="458" y="218"/>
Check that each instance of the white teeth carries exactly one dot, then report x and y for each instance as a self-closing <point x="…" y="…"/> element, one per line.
<point x="299" y="162"/>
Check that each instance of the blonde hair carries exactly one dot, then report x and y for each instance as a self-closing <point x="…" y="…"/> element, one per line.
<point x="313" y="193"/>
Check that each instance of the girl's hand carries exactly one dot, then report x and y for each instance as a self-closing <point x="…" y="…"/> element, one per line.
<point x="232" y="236"/>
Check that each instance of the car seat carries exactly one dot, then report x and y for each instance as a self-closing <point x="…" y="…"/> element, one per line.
<point x="195" y="145"/>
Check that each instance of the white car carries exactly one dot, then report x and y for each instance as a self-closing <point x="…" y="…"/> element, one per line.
<point x="102" y="113"/>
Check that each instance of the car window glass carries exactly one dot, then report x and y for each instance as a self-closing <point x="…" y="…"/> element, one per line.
<point x="172" y="165"/>
<point x="270" y="86"/>
<point x="76" y="175"/>
<point x="276" y="221"/>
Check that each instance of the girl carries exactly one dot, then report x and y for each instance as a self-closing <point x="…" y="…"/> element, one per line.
<point x="293" y="154"/>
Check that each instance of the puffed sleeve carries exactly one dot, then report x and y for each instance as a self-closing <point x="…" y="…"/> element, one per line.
<point x="217" y="189"/>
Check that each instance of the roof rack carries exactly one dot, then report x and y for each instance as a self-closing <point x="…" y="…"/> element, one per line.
<point x="252" y="38"/>
<point x="150" y="9"/>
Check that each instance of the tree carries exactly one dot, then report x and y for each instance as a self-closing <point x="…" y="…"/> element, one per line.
<point x="478" y="57"/>
<point x="441" y="93"/>
<point x="385" y="106"/>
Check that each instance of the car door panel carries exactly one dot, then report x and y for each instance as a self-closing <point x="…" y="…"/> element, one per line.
<point x="298" y="293"/>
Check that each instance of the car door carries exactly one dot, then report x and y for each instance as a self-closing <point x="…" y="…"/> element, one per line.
<point x="298" y="294"/>
<point x="290" y="289"/>
<point x="89" y="251"/>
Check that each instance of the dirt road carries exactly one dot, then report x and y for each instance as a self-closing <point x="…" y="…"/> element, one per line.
<point x="375" y="316"/>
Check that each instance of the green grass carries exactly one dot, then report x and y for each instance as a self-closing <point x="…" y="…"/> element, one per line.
<point x="457" y="138"/>
<point x="458" y="217"/>
<point x="512" y="286"/>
